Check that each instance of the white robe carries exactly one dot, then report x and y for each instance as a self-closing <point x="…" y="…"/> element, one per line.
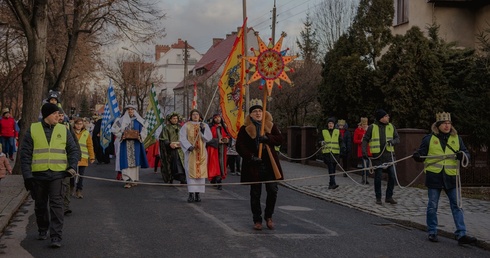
<point x="194" y="185"/>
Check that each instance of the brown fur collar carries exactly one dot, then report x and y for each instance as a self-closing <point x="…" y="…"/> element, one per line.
<point x="435" y="130"/>
<point x="250" y="127"/>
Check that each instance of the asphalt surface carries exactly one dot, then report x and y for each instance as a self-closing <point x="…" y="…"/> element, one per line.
<point x="313" y="181"/>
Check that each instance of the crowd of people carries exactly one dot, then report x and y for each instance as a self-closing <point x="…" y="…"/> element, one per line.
<point x="55" y="153"/>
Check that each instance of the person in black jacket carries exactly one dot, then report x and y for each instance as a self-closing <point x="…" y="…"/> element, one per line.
<point x="255" y="169"/>
<point x="441" y="173"/>
<point x="44" y="177"/>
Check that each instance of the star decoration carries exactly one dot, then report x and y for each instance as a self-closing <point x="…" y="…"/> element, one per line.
<point x="270" y="64"/>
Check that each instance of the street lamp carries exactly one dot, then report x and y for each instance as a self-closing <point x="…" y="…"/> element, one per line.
<point x="139" y="64"/>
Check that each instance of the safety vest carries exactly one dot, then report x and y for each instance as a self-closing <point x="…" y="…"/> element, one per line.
<point x="374" y="143"/>
<point x="46" y="155"/>
<point x="83" y="144"/>
<point x="332" y="141"/>
<point x="435" y="165"/>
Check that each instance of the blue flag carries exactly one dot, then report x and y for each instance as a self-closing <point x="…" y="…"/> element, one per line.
<point x="111" y="111"/>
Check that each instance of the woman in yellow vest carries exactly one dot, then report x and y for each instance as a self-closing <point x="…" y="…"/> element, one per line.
<point x="441" y="174"/>
<point x="87" y="149"/>
<point x="380" y="138"/>
<point x="332" y="147"/>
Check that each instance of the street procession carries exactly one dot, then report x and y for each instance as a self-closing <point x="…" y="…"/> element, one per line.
<point x="152" y="128"/>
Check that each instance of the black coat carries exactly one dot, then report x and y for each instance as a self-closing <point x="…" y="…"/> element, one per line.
<point x="246" y="146"/>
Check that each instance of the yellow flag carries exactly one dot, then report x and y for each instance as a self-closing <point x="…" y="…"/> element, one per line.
<point x="231" y="86"/>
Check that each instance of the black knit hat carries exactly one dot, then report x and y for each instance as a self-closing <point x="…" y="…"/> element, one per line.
<point x="252" y="108"/>
<point x="49" y="109"/>
<point x="380" y="113"/>
<point x="331" y="119"/>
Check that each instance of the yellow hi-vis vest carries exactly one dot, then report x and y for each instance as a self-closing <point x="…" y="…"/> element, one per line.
<point x="46" y="155"/>
<point x="332" y="141"/>
<point x="375" y="144"/>
<point x="436" y="165"/>
<point x="83" y="144"/>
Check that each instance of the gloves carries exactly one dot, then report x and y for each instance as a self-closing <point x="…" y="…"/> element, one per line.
<point x="323" y="143"/>
<point x="416" y="157"/>
<point x="459" y="155"/>
<point x="28" y="183"/>
<point x="202" y="127"/>
<point x="191" y="148"/>
<point x="263" y="139"/>
<point x="72" y="172"/>
<point x="256" y="160"/>
<point x="390" y="142"/>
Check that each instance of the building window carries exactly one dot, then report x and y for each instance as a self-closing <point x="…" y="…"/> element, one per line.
<point x="401" y="12"/>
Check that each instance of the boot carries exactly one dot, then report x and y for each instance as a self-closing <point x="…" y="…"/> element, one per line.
<point x="220" y="187"/>
<point x="79" y="194"/>
<point x="198" y="199"/>
<point x="191" y="197"/>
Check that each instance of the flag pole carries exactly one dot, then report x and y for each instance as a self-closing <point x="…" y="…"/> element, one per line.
<point x="245" y="78"/>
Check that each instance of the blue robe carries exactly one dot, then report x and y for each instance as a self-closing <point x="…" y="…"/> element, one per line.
<point x="139" y="150"/>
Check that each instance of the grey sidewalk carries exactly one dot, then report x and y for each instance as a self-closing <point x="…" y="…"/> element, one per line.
<point x="411" y="207"/>
<point x="12" y="195"/>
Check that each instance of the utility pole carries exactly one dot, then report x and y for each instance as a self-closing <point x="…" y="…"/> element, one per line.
<point x="185" y="100"/>
<point x="274" y="23"/>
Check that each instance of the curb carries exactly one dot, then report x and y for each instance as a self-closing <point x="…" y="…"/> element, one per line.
<point x="481" y="244"/>
<point x="12" y="208"/>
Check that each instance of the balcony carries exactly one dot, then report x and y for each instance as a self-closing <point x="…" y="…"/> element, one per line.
<point x="460" y="3"/>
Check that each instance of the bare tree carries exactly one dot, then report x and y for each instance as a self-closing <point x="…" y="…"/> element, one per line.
<point x="331" y="19"/>
<point x="105" y="20"/>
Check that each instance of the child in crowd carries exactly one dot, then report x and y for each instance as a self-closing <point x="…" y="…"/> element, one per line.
<point x="4" y="165"/>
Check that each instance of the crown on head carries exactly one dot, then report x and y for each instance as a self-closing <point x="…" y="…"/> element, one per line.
<point x="341" y="122"/>
<point x="254" y="102"/>
<point x="444" y="116"/>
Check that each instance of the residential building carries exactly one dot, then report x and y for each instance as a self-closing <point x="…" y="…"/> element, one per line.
<point x="207" y="72"/>
<point x="460" y="21"/>
<point x="170" y="67"/>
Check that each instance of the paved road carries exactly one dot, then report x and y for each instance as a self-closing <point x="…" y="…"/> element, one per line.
<point x="156" y="221"/>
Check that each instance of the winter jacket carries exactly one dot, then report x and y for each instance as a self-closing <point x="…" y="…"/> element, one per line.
<point x="27" y="148"/>
<point x="90" y="147"/>
<point x="247" y="147"/>
<point x="8" y="127"/>
<point x="442" y="179"/>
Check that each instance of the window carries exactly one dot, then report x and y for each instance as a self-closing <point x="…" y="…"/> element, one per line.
<point x="401" y="12"/>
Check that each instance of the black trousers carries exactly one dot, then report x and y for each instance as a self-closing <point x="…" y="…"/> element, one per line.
<point x="270" y="203"/>
<point x="48" y="197"/>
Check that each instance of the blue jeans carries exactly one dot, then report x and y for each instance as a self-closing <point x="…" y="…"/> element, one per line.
<point x="434" y="194"/>
<point x="378" y="174"/>
<point x="331" y="170"/>
<point x="8" y="145"/>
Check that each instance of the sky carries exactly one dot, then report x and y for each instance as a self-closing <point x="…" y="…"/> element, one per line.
<point x="199" y="21"/>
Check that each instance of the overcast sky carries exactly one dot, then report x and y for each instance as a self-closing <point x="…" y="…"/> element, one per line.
<point x="199" y="21"/>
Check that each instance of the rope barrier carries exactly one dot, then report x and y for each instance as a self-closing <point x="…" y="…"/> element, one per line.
<point x="464" y="162"/>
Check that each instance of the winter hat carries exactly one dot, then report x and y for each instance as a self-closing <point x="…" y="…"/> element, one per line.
<point x="49" y="109"/>
<point x="53" y="95"/>
<point x="331" y="119"/>
<point x="5" y="110"/>
<point x="442" y="117"/>
<point x="380" y="113"/>
<point x="252" y="108"/>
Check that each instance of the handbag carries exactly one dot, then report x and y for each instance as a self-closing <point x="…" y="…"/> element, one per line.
<point x="131" y="134"/>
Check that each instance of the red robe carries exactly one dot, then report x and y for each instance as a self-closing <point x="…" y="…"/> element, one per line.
<point x="217" y="153"/>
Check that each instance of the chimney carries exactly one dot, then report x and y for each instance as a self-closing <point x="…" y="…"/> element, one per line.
<point x="217" y="41"/>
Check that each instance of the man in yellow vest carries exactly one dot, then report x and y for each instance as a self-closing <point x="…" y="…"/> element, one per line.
<point x="48" y="154"/>
<point x="442" y="174"/>
<point x="333" y="145"/>
<point x="380" y="137"/>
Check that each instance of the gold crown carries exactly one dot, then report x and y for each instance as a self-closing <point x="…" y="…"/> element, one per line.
<point x="254" y="102"/>
<point x="341" y="122"/>
<point x="444" y="116"/>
